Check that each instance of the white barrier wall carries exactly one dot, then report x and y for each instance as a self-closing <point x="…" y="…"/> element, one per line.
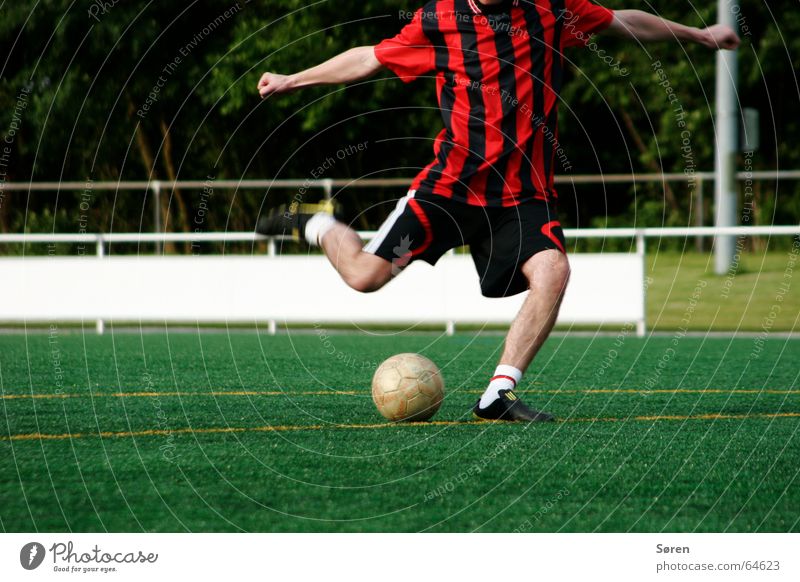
<point x="605" y="288"/>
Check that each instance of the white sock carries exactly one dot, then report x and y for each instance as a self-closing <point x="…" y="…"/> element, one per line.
<point x="505" y="378"/>
<point x="317" y="226"/>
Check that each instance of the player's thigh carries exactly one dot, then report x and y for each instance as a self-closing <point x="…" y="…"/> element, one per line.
<point x="543" y="247"/>
<point x="505" y="255"/>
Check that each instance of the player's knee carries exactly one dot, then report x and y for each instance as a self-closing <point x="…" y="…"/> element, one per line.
<point x="559" y="275"/>
<point x="561" y="272"/>
<point x="362" y="284"/>
<point x="366" y="283"/>
<point x="551" y="270"/>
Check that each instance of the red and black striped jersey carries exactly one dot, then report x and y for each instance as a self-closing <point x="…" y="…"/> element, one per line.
<point x="498" y="71"/>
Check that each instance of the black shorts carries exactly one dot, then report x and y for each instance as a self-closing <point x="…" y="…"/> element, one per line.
<point x="500" y="240"/>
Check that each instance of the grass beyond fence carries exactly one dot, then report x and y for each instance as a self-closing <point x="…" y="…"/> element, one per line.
<point x="763" y="294"/>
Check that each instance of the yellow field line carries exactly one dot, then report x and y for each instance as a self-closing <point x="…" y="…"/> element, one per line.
<point x="364" y="393"/>
<point x="286" y="428"/>
<point x="181" y="394"/>
<point x="645" y="391"/>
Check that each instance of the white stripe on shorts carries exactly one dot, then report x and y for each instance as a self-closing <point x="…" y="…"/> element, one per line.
<point x="373" y="245"/>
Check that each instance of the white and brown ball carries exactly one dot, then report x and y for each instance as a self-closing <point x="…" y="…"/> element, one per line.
<point x="407" y="387"/>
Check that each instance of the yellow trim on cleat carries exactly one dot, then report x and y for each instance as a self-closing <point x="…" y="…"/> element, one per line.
<point x="326" y="206"/>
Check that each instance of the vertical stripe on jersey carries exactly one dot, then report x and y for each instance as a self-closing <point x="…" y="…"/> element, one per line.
<point x="524" y="92"/>
<point x="554" y="84"/>
<point x="548" y="148"/>
<point x="447" y="98"/>
<point x="531" y="168"/>
<point x="477" y="110"/>
<point x="557" y="8"/>
<point x="548" y="124"/>
<point x="502" y="185"/>
<point x="493" y="110"/>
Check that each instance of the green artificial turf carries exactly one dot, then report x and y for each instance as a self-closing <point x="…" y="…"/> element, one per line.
<point x="229" y="432"/>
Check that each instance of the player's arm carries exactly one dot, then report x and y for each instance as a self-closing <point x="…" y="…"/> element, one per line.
<point x="646" y="27"/>
<point x="352" y="65"/>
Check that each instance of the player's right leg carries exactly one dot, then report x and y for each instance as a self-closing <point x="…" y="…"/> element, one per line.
<point x="361" y="270"/>
<point x="364" y="272"/>
<point x="418" y="228"/>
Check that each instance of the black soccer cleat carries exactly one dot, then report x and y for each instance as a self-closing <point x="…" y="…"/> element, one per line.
<point x="509" y="407"/>
<point x="291" y="219"/>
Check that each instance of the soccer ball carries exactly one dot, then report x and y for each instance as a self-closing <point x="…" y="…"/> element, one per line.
<point x="407" y="387"/>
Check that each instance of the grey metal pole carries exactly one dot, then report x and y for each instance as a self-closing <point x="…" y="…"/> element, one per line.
<point x="727" y="142"/>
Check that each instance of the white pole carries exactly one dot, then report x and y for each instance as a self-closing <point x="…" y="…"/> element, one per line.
<point x="641" y="251"/>
<point x="100" y="325"/>
<point x="727" y="141"/>
<point x="327" y="187"/>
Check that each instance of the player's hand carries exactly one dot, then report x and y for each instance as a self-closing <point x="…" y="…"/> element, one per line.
<point x="719" y="36"/>
<point x="273" y="83"/>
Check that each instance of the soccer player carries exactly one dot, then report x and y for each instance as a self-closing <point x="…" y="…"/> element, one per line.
<point x="498" y="66"/>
